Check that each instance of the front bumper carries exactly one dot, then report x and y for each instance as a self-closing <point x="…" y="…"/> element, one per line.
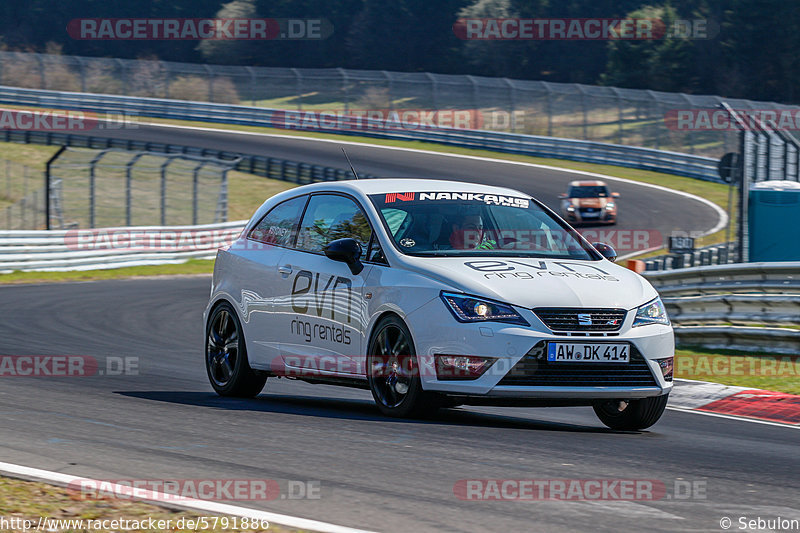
<point x="436" y="332"/>
<point x="576" y="217"/>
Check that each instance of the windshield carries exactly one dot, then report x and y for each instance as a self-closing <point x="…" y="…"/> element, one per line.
<point x="588" y="191"/>
<point x="476" y="224"/>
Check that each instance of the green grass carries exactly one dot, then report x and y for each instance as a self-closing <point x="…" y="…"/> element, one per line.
<point x="30" y="500"/>
<point x="247" y="192"/>
<point x="190" y="267"/>
<point x="714" y="192"/>
<point x="759" y="370"/>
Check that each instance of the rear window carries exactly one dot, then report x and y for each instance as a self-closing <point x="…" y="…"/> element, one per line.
<point x="279" y="224"/>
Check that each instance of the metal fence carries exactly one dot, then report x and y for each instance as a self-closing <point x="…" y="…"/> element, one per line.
<point x="22" y="198"/>
<point x="574" y="111"/>
<point x="105" y="188"/>
<point x="121" y="108"/>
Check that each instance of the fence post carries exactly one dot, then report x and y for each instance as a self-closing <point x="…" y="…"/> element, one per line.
<point x="345" y="90"/>
<point x="128" y="189"/>
<point x="391" y="88"/>
<point x="195" y="177"/>
<point x="252" y="85"/>
<point x="47" y="184"/>
<point x="434" y="89"/>
<point x="298" y="78"/>
<point x="163" y="206"/>
<point x="210" y="83"/>
<point x="42" y="79"/>
<point x="512" y="97"/>
<point x="82" y="68"/>
<point x="619" y="114"/>
<point x="549" y="107"/>
<point x="92" y="197"/>
<point x="585" y="112"/>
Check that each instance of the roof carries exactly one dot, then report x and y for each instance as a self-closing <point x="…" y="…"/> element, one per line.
<point x="587" y="183"/>
<point x="400" y="185"/>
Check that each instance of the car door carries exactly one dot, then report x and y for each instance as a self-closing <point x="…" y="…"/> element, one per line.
<point x="259" y="257"/>
<point x="321" y="310"/>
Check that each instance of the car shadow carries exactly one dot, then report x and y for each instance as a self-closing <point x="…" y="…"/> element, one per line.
<point x="357" y="409"/>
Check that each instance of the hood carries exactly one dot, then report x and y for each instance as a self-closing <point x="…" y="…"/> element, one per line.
<point x="529" y="283"/>
<point x="590" y="202"/>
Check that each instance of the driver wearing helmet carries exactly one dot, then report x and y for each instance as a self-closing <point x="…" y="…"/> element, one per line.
<point x="469" y="234"/>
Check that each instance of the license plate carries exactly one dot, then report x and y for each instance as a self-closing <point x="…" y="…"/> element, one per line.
<point x="573" y="352"/>
<point x="591" y="215"/>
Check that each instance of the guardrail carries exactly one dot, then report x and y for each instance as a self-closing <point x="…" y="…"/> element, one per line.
<point x="106" y="248"/>
<point x="681" y="164"/>
<point x="715" y="254"/>
<point x="738" y="306"/>
<point x="269" y="167"/>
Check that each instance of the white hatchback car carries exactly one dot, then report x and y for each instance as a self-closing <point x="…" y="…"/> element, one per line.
<point x="435" y="294"/>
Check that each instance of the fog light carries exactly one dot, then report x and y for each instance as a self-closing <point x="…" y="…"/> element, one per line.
<point x="450" y="367"/>
<point x="666" y="367"/>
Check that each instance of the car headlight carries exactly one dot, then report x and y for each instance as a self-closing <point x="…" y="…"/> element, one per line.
<point x="651" y="313"/>
<point x="571" y="208"/>
<point x="473" y="309"/>
<point x="610" y="205"/>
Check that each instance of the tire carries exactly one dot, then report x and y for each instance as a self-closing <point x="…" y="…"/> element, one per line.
<point x="393" y="371"/>
<point x="637" y="414"/>
<point x="226" y="356"/>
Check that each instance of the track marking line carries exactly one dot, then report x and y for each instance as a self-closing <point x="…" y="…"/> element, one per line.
<point x="721" y="223"/>
<point x="732" y="417"/>
<point x="158" y="498"/>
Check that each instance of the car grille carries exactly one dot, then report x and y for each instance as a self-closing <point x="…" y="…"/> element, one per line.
<point x="534" y="370"/>
<point x="567" y="319"/>
<point x="589" y="209"/>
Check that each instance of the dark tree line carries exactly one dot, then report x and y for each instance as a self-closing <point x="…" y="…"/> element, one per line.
<point x="755" y="54"/>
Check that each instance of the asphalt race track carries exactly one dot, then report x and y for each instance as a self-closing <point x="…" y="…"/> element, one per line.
<point x="375" y="473"/>
<point x="654" y="211"/>
<point x="165" y="422"/>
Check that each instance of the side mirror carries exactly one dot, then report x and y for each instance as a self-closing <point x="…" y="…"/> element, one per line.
<point x="562" y="195"/>
<point x="347" y="251"/>
<point x="615" y="195"/>
<point x="605" y="250"/>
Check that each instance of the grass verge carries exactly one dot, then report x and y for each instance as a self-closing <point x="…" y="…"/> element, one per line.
<point x="247" y="192"/>
<point x="190" y="267"/>
<point x="760" y="370"/>
<point x="28" y="500"/>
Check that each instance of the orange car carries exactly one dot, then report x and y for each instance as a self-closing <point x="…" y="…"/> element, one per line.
<point x="589" y="202"/>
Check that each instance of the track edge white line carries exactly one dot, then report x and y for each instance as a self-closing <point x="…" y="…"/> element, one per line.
<point x="164" y="500"/>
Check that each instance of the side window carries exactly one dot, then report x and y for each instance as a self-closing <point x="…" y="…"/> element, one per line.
<point x="330" y="217"/>
<point x="375" y="254"/>
<point x="277" y="226"/>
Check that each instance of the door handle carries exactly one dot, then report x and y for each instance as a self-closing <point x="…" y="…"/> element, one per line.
<point x="285" y="269"/>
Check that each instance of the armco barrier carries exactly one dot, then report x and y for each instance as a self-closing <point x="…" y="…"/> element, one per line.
<point x="586" y="151"/>
<point x="737" y="306"/>
<point x="269" y="167"/>
<point x="107" y="248"/>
